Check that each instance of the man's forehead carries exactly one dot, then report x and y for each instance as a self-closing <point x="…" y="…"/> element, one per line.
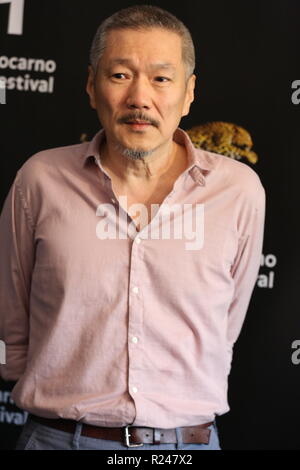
<point x="153" y="65"/>
<point x="154" y="52"/>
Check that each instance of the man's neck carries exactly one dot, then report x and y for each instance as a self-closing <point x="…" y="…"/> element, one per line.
<point x="164" y="163"/>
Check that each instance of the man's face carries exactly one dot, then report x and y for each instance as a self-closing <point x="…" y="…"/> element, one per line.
<point x="140" y="90"/>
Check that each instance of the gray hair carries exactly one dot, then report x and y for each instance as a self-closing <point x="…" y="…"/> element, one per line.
<point x="143" y="17"/>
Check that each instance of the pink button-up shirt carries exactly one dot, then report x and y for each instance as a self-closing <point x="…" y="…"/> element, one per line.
<point x="110" y="326"/>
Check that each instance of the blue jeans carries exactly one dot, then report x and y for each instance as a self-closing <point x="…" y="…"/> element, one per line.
<point x="36" y="436"/>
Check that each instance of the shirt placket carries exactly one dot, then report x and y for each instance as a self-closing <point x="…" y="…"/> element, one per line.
<point x="135" y="321"/>
<point x="135" y="308"/>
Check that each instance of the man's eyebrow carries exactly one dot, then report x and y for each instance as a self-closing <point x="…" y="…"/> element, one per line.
<point x="157" y="66"/>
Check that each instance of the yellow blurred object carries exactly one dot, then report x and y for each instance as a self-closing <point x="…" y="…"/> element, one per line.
<point x="225" y="138"/>
<point x="83" y="138"/>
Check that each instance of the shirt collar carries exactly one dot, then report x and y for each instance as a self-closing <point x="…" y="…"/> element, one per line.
<point x="200" y="162"/>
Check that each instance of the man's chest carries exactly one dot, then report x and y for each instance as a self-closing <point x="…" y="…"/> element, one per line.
<point x="143" y="204"/>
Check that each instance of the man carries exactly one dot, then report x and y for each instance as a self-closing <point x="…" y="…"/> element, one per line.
<point x="128" y="262"/>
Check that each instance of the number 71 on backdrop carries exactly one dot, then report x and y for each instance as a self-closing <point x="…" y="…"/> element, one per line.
<point x="15" y="16"/>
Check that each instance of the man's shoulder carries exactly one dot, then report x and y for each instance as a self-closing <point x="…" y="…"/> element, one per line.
<point x="52" y="160"/>
<point x="231" y="173"/>
<point x="228" y="168"/>
<point x="56" y="155"/>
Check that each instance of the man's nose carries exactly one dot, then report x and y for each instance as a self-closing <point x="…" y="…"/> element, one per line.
<point x="139" y="95"/>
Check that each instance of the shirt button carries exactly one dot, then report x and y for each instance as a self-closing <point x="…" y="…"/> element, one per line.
<point x="134" y="389"/>
<point x="138" y="240"/>
<point x="135" y="289"/>
<point x="134" y="339"/>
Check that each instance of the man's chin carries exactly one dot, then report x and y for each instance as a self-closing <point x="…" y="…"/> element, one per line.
<point x="134" y="148"/>
<point x="136" y="153"/>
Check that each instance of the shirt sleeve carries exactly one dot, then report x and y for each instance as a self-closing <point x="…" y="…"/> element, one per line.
<point x="247" y="261"/>
<point x="17" y="259"/>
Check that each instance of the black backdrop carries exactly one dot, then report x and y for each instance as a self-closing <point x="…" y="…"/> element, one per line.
<point x="249" y="74"/>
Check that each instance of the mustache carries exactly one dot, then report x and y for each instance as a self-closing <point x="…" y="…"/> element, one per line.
<point x="138" y="116"/>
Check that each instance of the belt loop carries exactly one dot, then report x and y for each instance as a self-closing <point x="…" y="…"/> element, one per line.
<point x="156" y="436"/>
<point x="76" y="436"/>
<point x="179" y="438"/>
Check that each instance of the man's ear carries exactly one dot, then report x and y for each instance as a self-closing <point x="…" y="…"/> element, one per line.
<point x="189" y="95"/>
<point x="90" y="87"/>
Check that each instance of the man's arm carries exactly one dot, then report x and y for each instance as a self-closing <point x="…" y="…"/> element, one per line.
<point x="16" y="263"/>
<point x="246" y="265"/>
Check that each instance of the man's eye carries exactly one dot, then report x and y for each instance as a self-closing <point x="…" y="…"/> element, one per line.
<point x="162" y="79"/>
<point x="119" y="75"/>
